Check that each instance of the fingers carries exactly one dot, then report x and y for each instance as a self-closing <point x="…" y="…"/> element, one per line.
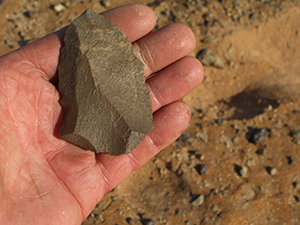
<point x="174" y="82"/>
<point x="157" y="49"/>
<point x="169" y="123"/>
<point x="164" y="46"/>
<point x="135" y="20"/>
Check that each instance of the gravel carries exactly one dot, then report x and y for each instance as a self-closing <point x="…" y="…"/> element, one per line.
<point x="272" y="170"/>
<point x="198" y="201"/>
<point x="201" y="169"/>
<point x="290" y="160"/>
<point x="185" y="137"/>
<point x="257" y="135"/>
<point x="209" y="58"/>
<point x="242" y="171"/>
<point x="58" y="7"/>
<point x="215" y="208"/>
<point x="260" y="151"/>
<point x="148" y="222"/>
<point x="106" y="3"/>
<point x="295" y="134"/>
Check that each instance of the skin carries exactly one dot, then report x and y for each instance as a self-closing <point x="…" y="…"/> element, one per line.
<point x="45" y="180"/>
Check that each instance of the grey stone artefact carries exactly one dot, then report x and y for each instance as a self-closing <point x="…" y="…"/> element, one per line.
<point x="106" y="103"/>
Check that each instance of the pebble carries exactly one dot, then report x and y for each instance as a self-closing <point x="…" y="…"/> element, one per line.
<point x="220" y="215"/>
<point x="260" y="135"/>
<point x="148" y="222"/>
<point x="235" y="140"/>
<point x="272" y="170"/>
<point x="130" y="220"/>
<point x="29" y="14"/>
<point x="178" y="211"/>
<point x="215" y="208"/>
<point x="296" y="185"/>
<point x="201" y="169"/>
<point x="199" y="200"/>
<point x="257" y="135"/>
<point x="185" y="137"/>
<point x="106" y="3"/>
<point x="58" y="7"/>
<point x="202" y="136"/>
<point x="244" y="171"/>
<point x="195" y="153"/>
<point x="253" y="16"/>
<point x="290" y="160"/>
<point x="295" y="134"/>
<point x="209" y="58"/>
<point x="260" y="151"/>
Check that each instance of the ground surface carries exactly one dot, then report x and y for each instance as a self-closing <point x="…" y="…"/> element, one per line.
<point x="239" y="161"/>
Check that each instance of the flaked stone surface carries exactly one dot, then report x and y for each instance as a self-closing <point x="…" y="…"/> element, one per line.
<point x="106" y="103"/>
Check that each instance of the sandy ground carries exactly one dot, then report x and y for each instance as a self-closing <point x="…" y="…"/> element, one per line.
<point x="238" y="162"/>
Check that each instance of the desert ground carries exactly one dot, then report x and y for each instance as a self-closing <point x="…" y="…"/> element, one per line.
<point x="239" y="160"/>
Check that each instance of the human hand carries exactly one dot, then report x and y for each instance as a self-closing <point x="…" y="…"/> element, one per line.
<point x="45" y="180"/>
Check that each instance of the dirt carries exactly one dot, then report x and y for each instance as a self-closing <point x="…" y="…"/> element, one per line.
<point x="239" y="160"/>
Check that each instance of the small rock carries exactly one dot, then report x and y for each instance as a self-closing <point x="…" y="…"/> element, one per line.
<point x="295" y="134"/>
<point x="130" y="220"/>
<point x="219" y="121"/>
<point x="215" y="208"/>
<point x="297" y="198"/>
<point x="29" y="14"/>
<point x="272" y="170"/>
<point x="148" y="222"/>
<point x="201" y="169"/>
<point x="257" y="135"/>
<point x="235" y="140"/>
<point x="199" y="200"/>
<point x="220" y="214"/>
<point x="105" y="3"/>
<point x="250" y="162"/>
<point x="242" y="171"/>
<point x="226" y="140"/>
<point x="58" y="7"/>
<point x="93" y="110"/>
<point x="209" y="58"/>
<point x="290" y="160"/>
<point x="185" y="137"/>
<point x="172" y="15"/>
<point x="253" y="16"/>
<point x="178" y="211"/>
<point x="196" y="153"/>
<point x="202" y="136"/>
<point x="296" y="185"/>
<point x="260" y="151"/>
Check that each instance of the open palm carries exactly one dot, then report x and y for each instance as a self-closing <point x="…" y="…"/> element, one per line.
<point x="45" y="180"/>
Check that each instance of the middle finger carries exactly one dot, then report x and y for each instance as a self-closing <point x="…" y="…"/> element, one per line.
<point x="164" y="46"/>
